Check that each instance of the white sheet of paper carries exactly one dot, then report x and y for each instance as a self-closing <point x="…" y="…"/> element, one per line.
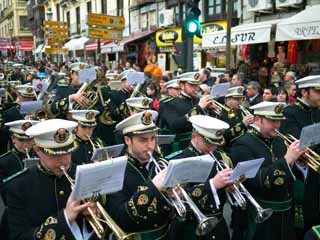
<point x="247" y="169"/>
<point x="30" y="162"/>
<point x="135" y="78"/>
<point x="87" y="75"/>
<point x="193" y="169"/>
<point x="41" y="85"/>
<point x="101" y="154"/>
<point x="219" y="90"/>
<point x="310" y="136"/>
<point x="99" y="178"/>
<point x="165" y="139"/>
<point x="30" y="107"/>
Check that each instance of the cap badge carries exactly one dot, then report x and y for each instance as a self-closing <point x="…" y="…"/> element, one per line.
<point x="220" y="132"/>
<point x="146" y="118"/>
<point x="90" y="115"/>
<point x="29" y="89"/>
<point x="25" y="126"/>
<point x="145" y="102"/>
<point x="279" y="109"/>
<point x="61" y="135"/>
<point x="240" y="90"/>
<point x="197" y="76"/>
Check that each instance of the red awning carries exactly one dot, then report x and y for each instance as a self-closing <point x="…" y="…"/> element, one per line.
<point x="25" y="46"/>
<point x="5" y="44"/>
<point x="92" y="46"/>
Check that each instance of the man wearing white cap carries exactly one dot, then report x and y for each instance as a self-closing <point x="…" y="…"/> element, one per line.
<point x="39" y="203"/>
<point x="271" y="186"/>
<point x="210" y="197"/>
<point x="141" y="207"/>
<point x="175" y="115"/>
<point x="306" y="111"/>
<point x="87" y="143"/>
<point x="11" y="163"/>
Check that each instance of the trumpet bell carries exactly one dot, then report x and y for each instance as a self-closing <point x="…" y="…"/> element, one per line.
<point x="206" y="225"/>
<point x="263" y="215"/>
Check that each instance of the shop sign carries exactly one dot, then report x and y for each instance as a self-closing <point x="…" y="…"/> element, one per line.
<point x="298" y="31"/>
<point x="210" y="28"/>
<point x="250" y="36"/>
<point x="168" y="36"/>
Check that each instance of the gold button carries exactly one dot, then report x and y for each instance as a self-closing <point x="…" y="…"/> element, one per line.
<point x="61" y="193"/>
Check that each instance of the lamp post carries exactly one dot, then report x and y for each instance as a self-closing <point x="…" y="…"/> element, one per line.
<point x="11" y="41"/>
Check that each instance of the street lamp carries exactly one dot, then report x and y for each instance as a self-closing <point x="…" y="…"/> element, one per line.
<point x="11" y="40"/>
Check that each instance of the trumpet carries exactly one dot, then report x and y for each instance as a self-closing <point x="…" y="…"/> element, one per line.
<point x="310" y="157"/>
<point x="96" y="222"/>
<point x="205" y="224"/>
<point x="220" y="107"/>
<point x="245" y="112"/>
<point x="239" y="195"/>
<point x="89" y="93"/>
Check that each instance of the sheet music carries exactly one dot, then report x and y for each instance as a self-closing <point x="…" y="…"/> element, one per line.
<point x="310" y="136"/>
<point x="105" y="153"/>
<point x="30" y="162"/>
<point x="219" y="90"/>
<point x="165" y="139"/>
<point x="87" y="75"/>
<point x="135" y="78"/>
<point x="247" y="169"/>
<point x="99" y="178"/>
<point x="193" y="169"/>
<point x="30" y="107"/>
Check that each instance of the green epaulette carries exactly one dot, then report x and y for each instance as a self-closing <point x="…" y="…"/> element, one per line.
<point x="316" y="230"/>
<point x="13" y="176"/>
<point x="173" y="155"/>
<point x="3" y="155"/>
<point x="62" y="83"/>
<point x="167" y="99"/>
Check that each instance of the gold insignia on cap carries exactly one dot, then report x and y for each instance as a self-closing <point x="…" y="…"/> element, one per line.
<point x="279" y="181"/>
<point x="220" y="132"/>
<point x="196" y="192"/>
<point x="50" y="235"/>
<point x="146" y="118"/>
<point x="279" y="108"/>
<point x="29" y="89"/>
<point x="240" y="90"/>
<point x="197" y="76"/>
<point x="143" y="199"/>
<point x="25" y="126"/>
<point x="62" y="102"/>
<point x="61" y="135"/>
<point x="145" y="102"/>
<point x="82" y="66"/>
<point x="90" y="115"/>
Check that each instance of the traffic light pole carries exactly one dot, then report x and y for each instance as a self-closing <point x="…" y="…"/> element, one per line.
<point x="188" y="53"/>
<point x="229" y="24"/>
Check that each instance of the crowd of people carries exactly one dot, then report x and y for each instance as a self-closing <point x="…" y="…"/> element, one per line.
<point x="75" y="118"/>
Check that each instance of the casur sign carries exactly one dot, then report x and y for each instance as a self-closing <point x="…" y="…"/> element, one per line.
<point x="168" y="36"/>
<point x="238" y="37"/>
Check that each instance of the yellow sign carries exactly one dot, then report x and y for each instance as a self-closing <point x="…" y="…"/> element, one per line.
<point x="55" y="23"/>
<point x="55" y="43"/>
<point x="168" y="36"/>
<point x="106" y="20"/>
<point x="109" y="34"/>
<point x="56" y="29"/>
<point x="56" y="36"/>
<point x="210" y="27"/>
<point x="55" y="50"/>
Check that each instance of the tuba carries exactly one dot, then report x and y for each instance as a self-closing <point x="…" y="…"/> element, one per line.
<point x="97" y="222"/>
<point x="89" y="93"/>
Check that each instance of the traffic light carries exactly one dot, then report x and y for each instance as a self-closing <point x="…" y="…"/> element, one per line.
<point x="192" y="24"/>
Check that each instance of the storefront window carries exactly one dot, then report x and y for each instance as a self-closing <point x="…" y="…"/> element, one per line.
<point x="144" y="22"/>
<point x="153" y="19"/>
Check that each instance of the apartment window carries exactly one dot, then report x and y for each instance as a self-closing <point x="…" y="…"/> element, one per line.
<point x="153" y="19"/>
<point x="89" y="7"/>
<point x="214" y="7"/>
<point x="104" y="6"/>
<point x="68" y="22"/>
<point x="78" y="20"/>
<point x="144" y="21"/>
<point x="58" y="11"/>
<point x="24" y="23"/>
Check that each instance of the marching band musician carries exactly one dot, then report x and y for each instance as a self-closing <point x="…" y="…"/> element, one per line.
<point x="306" y="189"/>
<point x="271" y="186"/>
<point x="39" y="206"/>
<point x="11" y="163"/>
<point x="177" y="111"/>
<point x="141" y="207"/>
<point x="207" y="136"/>
<point x="87" y="143"/>
<point x="238" y="123"/>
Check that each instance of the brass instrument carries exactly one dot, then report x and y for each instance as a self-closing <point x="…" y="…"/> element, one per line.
<point x="96" y="222"/>
<point x="89" y="93"/>
<point x="310" y="157"/>
<point x="42" y="113"/>
<point x="245" y="112"/>
<point x="206" y="224"/>
<point x="239" y="194"/>
<point x="220" y="107"/>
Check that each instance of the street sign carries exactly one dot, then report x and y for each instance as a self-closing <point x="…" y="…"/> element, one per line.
<point x="55" y="50"/>
<point x="55" y="23"/>
<point x="106" y="20"/>
<point x="56" y="36"/>
<point x="109" y="34"/>
<point x="55" y="43"/>
<point x="50" y="29"/>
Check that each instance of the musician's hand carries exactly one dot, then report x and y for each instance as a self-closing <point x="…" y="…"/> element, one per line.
<point x="93" y="207"/>
<point x="204" y="101"/>
<point x="177" y="191"/>
<point x="293" y="152"/>
<point x="247" y="120"/>
<point x="221" y="179"/>
<point x="73" y="209"/>
<point x="158" y="180"/>
<point x="80" y="98"/>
